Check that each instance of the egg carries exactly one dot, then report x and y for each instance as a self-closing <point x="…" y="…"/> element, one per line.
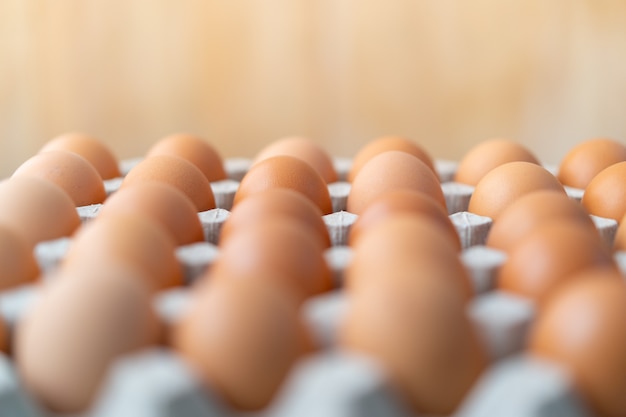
<point x="406" y="248"/>
<point x="285" y="171"/>
<point x="403" y="201"/>
<point x="421" y="335"/>
<point x="90" y="148"/>
<point x="19" y="265"/>
<point x="581" y="328"/>
<point x="619" y="243"/>
<point x="530" y="212"/>
<point x="127" y="238"/>
<point x="242" y="338"/>
<point x="503" y="185"/>
<point x="605" y="195"/>
<point x="304" y="149"/>
<point x="4" y="336"/>
<point x="549" y="256"/>
<point x="585" y="160"/>
<point x="37" y="209"/>
<point x="70" y="171"/>
<point x="79" y="325"/>
<point x="489" y="154"/>
<point x="392" y="170"/>
<point x="276" y="203"/>
<point x="384" y="144"/>
<point x="176" y="172"/>
<point x="161" y="202"/>
<point x="280" y="249"/>
<point x="193" y="149"/>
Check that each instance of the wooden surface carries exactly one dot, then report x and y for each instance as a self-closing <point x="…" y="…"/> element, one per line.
<point x="243" y="73"/>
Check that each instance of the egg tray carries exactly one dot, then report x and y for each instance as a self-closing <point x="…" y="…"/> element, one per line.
<point x="333" y="382"/>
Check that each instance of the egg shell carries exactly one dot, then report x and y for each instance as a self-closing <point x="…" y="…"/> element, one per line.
<point x="93" y="150"/>
<point x="531" y="211"/>
<point x="67" y="340"/>
<point x="132" y="239"/>
<point x="176" y="172"/>
<point x="193" y="149"/>
<point x="278" y="248"/>
<point x="242" y="338"/>
<point x="161" y="202"/>
<point x="490" y="154"/>
<point x="403" y="201"/>
<point x="388" y="171"/>
<point x="37" y="209"/>
<point x="276" y="203"/>
<point x="70" y="171"/>
<point x="384" y="144"/>
<point x="285" y="171"/>
<point x="605" y="195"/>
<point x="580" y="328"/>
<point x="18" y="264"/>
<point x="304" y="149"/>
<point x="406" y="248"/>
<point x="585" y="160"/>
<point x="421" y="334"/>
<point x="503" y="185"/>
<point x="549" y="256"/>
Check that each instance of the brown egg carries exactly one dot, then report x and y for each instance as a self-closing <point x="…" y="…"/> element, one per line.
<point x="384" y="144"/>
<point x="422" y="335"/>
<point x="92" y="149"/>
<point x="304" y="149"/>
<point x="178" y="173"/>
<point x="619" y="243"/>
<point x="582" y="328"/>
<point x="275" y="203"/>
<point x="406" y="248"/>
<point x="4" y="336"/>
<point x="16" y="257"/>
<point x="403" y="201"/>
<point x="286" y="172"/>
<point x="585" y="160"/>
<point x="37" y="209"/>
<point x="70" y="171"/>
<point x="193" y="149"/>
<point x="278" y="248"/>
<point x="127" y="238"/>
<point x="67" y="340"/>
<point x="242" y="338"/>
<point x="508" y="182"/>
<point x="488" y="155"/>
<point x="549" y="256"/>
<point x="531" y="211"/>
<point x="388" y="171"/>
<point x="161" y="202"/>
<point x="605" y="195"/>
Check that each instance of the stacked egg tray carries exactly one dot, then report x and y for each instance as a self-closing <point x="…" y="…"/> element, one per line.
<point x="332" y="381"/>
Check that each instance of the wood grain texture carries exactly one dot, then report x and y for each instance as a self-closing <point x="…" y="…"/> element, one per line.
<point x="243" y="73"/>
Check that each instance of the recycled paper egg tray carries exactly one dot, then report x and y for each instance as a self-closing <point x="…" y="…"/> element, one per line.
<point x="331" y="382"/>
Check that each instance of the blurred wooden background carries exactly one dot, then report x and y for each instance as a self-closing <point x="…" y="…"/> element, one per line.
<point x="447" y="73"/>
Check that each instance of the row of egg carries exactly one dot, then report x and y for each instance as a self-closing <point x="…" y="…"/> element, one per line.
<point x="416" y="271"/>
<point x="85" y="186"/>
